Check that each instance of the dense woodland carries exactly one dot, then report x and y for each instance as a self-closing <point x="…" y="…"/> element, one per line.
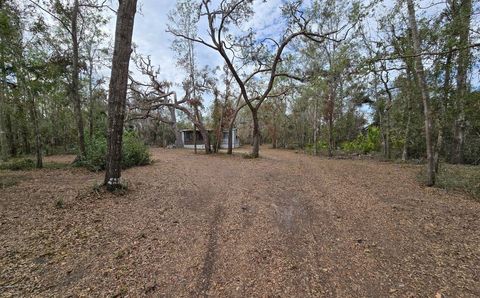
<point x="397" y="79"/>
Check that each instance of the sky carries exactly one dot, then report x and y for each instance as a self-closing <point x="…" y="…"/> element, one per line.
<point x="151" y="38"/>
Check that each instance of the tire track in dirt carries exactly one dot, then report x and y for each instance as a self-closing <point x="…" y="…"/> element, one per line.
<point x="314" y="229"/>
<point x="205" y="278"/>
<point x="342" y="249"/>
<point x="388" y="254"/>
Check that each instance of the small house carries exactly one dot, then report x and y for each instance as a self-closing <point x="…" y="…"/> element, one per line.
<point x="188" y="139"/>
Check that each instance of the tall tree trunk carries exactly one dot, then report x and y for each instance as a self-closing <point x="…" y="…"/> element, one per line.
<point x="36" y="131"/>
<point x="255" y="134"/>
<point x="206" y="139"/>
<point x="463" y="27"/>
<point x="329" y="118"/>
<point x="441" y="113"/>
<point x="90" y="95"/>
<point x="407" y="133"/>
<point x="118" y="91"/>
<point x="77" y="104"/>
<point x="388" y="151"/>
<point x="408" y="110"/>
<point x="421" y="78"/>
<point x="330" y="137"/>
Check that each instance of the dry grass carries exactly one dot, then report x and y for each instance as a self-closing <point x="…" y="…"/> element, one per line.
<point x="460" y="178"/>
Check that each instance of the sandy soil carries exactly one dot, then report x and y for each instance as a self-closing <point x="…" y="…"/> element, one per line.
<point x="194" y="225"/>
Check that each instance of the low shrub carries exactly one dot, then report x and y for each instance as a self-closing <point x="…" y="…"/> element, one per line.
<point x="365" y="143"/>
<point x="18" y="164"/>
<point x="322" y="147"/>
<point x="134" y="152"/>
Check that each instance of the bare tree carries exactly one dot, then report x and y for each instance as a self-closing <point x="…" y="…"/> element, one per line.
<point x="250" y="52"/>
<point x="118" y="90"/>
<point x="156" y="94"/>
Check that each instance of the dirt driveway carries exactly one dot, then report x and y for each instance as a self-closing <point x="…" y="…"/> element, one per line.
<point x="281" y="226"/>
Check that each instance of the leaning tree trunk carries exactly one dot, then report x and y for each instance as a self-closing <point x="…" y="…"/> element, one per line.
<point x="118" y="91"/>
<point x="463" y="25"/>
<point x="255" y="134"/>
<point x="421" y="78"/>
<point x="77" y="105"/>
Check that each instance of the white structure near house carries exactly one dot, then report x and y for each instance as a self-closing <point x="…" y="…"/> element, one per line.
<point x="187" y="139"/>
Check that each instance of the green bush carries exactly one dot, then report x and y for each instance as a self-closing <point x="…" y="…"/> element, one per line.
<point x="364" y="143"/>
<point x="18" y="164"/>
<point x="96" y="151"/>
<point x="134" y="152"/>
<point x="321" y="146"/>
